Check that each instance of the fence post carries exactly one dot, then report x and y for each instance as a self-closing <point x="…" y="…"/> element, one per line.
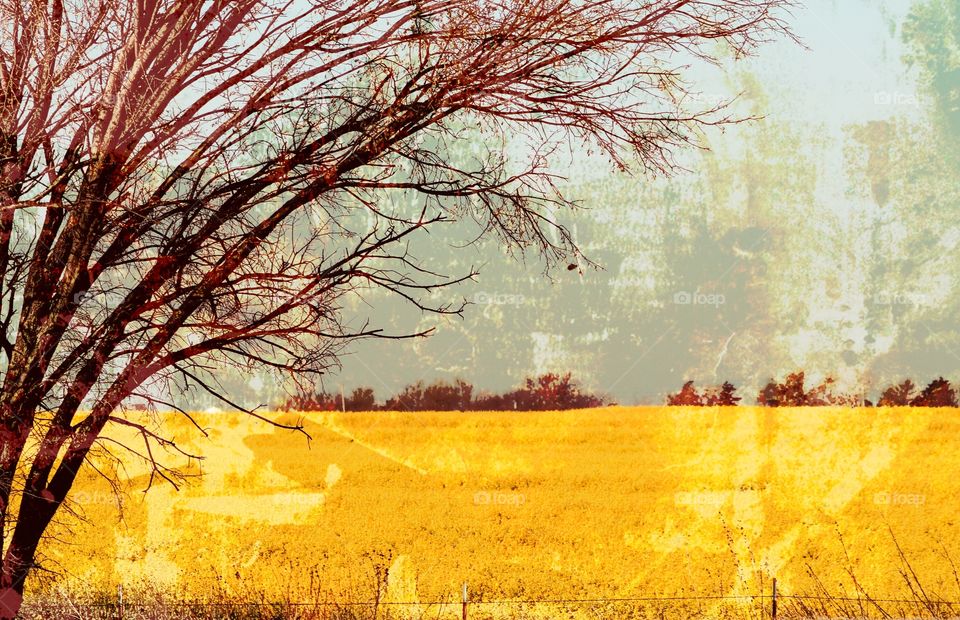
<point x="119" y="601"/>
<point x="464" y="600"/>
<point x="774" y="604"/>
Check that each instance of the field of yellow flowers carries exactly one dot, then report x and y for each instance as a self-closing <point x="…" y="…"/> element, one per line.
<point x="613" y="502"/>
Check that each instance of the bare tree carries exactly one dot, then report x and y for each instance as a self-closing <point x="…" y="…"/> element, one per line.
<point x="190" y="184"/>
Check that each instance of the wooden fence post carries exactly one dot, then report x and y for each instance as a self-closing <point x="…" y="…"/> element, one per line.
<point x="774" y="604"/>
<point x="465" y="600"/>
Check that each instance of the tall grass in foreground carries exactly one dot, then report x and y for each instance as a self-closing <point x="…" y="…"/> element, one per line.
<point x="820" y="603"/>
<point x="915" y="600"/>
<point x="64" y="608"/>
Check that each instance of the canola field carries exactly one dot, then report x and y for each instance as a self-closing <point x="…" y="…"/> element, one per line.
<point x="605" y="503"/>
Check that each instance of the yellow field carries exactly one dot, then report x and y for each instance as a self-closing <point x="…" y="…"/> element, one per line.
<point x="588" y="504"/>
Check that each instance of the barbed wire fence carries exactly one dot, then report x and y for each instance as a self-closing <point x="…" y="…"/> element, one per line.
<point x="766" y="605"/>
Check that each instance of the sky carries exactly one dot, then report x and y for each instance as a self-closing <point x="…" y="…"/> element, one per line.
<point x="821" y="237"/>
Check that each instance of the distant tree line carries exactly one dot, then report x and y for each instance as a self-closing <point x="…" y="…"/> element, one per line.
<point x="553" y="391"/>
<point x="723" y="396"/>
<point x="792" y="392"/>
<point x="547" y="392"/>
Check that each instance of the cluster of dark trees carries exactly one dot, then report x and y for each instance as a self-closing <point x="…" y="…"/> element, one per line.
<point x="554" y="391"/>
<point x="544" y="393"/>
<point x="723" y="396"/>
<point x="792" y="392"/>
<point x="938" y="393"/>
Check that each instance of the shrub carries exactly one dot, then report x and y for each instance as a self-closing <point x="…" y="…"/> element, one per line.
<point x="494" y="402"/>
<point x="938" y="393"/>
<point x="725" y="396"/>
<point x="438" y="396"/>
<point x="824" y="395"/>
<point x="793" y="393"/>
<point x="722" y="396"/>
<point x="898" y="395"/>
<point x="768" y="395"/>
<point x="544" y="393"/>
<point x="360" y="399"/>
<point x="552" y="391"/>
<point x="686" y="397"/>
<point x="790" y="393"/>
<point x="313" y="401"/>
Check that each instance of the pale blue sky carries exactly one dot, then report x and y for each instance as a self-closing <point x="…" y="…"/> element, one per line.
<point x="782" y="218"/>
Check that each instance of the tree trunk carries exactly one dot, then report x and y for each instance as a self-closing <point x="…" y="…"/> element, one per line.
<point x="17" y="562"/>
<point x="11" y="596"/>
